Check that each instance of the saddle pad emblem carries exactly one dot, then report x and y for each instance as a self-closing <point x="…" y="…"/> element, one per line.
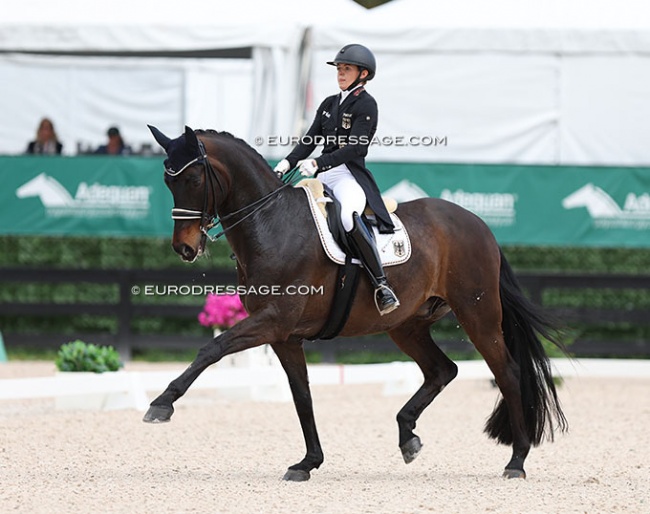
<point x="398" y="248"/>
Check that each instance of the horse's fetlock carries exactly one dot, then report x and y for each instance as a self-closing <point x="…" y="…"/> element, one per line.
<point x="405" y="421"/>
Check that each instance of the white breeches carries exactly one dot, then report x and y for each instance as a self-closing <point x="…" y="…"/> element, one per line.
<point x="347" y="191"/>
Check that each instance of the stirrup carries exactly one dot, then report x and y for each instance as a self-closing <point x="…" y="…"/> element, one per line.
<point x="389" y="308"/>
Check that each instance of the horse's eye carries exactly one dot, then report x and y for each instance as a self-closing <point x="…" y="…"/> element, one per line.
<point x="196" y="180"/>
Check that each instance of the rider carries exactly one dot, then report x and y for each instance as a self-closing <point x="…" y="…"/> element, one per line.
<point x="346" y="124"/>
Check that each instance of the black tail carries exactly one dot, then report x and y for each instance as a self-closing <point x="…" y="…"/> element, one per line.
<point x="523" y="324"/>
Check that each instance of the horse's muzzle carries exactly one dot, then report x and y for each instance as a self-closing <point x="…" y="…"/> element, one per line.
<point x="186" y="252"/>
<point x="188" y="242"/>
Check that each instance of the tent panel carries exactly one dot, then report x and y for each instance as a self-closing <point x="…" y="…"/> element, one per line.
<point x="491" y="107"/>
<point x="605" y="112"/>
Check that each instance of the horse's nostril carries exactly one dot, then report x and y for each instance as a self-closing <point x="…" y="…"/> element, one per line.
<point x="186" y="252"/>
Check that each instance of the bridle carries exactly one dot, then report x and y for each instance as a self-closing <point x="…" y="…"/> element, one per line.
<point x="211" y="220"/>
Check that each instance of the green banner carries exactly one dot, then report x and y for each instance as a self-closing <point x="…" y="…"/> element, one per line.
<point x="537" y="205"/>
<point x="85" y="195"/>
<point x="523" y="205"/>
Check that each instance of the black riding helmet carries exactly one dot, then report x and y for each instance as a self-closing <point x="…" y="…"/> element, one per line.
<point x="358" y="55"/>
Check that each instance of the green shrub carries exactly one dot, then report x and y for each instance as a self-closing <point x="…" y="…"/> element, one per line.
<point x="80" y="356"/>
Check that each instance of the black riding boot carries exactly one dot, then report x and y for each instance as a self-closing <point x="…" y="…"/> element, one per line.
<point x="363" y="244"/>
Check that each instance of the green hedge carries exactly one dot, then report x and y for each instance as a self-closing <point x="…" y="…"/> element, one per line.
<point x="95" y="253"/>
<point x="123" y="253"/>
<point x="110" y="253"/>
<point x="101" y="253"/>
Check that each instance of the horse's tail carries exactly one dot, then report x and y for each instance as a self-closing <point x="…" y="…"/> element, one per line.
<point x="523" y="324"/>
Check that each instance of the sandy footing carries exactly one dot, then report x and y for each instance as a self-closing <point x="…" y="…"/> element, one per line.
<point x="226" y="456"/>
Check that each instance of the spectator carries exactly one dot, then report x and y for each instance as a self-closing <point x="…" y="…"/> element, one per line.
<point x="46" y="142"/>
<point x="115" y="144"/>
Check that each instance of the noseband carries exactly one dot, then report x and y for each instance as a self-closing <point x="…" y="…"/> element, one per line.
<point x="211" y="220"/>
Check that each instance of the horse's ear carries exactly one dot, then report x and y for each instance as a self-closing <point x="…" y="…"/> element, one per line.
<point x="191" y="141"/>
<point x="161" y="138"/>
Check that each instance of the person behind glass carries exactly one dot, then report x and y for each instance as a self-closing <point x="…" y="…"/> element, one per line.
<point x="46" y="142"/>
<point x="346" y="123"/>
<point x="115" y="144"/>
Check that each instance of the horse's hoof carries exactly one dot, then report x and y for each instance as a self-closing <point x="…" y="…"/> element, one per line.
<point x="514" y="473"/>
<point x="296" y="475"/>
<point x="158" y="414"/>
<point x="411" y="449"/>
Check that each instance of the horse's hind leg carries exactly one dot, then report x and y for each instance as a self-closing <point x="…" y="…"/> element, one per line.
<point x="414" y="340"/>
<point x="482" y="323"/>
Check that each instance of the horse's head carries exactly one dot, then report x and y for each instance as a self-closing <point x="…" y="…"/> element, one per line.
<point x="201" y="171"/>
<point x="188" y="176"/>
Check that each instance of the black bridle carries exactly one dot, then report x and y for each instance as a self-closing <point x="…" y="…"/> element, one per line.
<point x="211" y="220"/>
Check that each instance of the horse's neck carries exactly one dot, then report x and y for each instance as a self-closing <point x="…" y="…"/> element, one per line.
<point x="245" y="191"/>
<point x="272" y="225"/>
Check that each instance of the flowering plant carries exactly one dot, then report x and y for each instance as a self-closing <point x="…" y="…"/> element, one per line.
<point x="222" y="311"/>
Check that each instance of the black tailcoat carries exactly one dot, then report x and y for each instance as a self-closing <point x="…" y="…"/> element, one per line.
<point x="346" y="131"/>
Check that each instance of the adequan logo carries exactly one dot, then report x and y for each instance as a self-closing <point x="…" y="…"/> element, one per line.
<point x="405" y="191"/>
<point x="496" y="209"/>
<point x="90" y="200"/>
<point x="606" y="213"/>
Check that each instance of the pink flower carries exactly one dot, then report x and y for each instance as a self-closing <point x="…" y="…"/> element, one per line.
<point x="222" y="311"/>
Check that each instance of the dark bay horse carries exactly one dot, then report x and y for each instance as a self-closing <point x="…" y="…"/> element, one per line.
<point x="456" y="265"/>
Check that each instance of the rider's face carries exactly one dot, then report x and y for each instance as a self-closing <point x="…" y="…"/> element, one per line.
<point x="346" y="74"/>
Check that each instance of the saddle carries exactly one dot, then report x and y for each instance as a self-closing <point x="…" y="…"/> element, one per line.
<point x="393" y="248"/>
<point x="317" y="189"/>
<point x="326" y="212"/>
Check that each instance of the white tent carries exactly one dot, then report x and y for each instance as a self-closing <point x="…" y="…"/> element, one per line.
<point x="219" y="64"/>
<point x="557" y="82"/>
<point x="554" y="82"/>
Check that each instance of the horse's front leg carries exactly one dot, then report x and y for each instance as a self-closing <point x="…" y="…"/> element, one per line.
<point x="242" y="336"/>
<point x="292" y="358"/>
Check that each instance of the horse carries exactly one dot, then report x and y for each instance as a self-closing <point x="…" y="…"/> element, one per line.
<point x="456" y="265"/>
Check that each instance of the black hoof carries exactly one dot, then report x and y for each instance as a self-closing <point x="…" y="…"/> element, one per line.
<point x="296" y="475"/>
<point x="158" y="414"/>
<point x="514" y="473"/>
<point x="411" y="449"/>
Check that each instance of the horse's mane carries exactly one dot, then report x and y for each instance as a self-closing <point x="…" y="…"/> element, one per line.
<point x="240" y="142"/>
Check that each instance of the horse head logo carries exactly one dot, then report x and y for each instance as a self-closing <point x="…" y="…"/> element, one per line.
<point x="597" y="202"/>
<point x="51" y="193"/>
<point x="405" y="191"/>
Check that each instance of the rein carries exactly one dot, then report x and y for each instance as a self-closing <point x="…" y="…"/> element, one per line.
<point x="260" y="203"/>
<point x="209" y="221"/>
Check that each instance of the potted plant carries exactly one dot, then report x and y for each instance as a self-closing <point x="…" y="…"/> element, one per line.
<point x="92" y="378"/>
<point x="78" y="356"/>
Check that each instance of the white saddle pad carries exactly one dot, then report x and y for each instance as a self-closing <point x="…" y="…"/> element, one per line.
<point x="393" y="248"/>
